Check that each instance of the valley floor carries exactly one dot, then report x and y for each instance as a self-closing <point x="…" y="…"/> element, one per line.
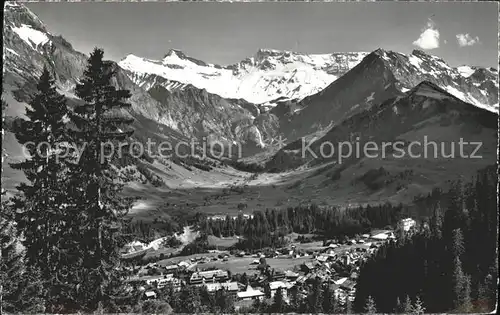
<point x="227" y="190"/>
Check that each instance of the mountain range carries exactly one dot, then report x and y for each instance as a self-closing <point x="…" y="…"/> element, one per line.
<point x="380" y="95"/>
<point x="267" y="76"/>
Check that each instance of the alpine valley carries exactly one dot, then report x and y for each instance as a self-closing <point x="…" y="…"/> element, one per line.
<point x="272" y="95"/>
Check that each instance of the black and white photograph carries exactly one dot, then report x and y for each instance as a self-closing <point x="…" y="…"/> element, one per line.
<point x="249" y="157"/>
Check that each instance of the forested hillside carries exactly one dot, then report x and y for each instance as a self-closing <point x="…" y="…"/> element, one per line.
<point x="450" y="263"/>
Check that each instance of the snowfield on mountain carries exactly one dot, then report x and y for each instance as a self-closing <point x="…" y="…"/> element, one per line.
<point x="267" y="76"/>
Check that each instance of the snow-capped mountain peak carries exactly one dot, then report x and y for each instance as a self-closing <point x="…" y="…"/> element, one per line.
<point x="176" y="56"/>
<point x="471" y="84"/>
<point x="268" y="75"/>
<point x="174" y="52"/>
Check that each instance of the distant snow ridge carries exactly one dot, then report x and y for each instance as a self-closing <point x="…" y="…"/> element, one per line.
<point x="267" y="76"/>
<point x="474" y="85"/>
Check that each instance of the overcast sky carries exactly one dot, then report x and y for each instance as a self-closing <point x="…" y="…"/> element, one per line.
<point x="225" y="33"/>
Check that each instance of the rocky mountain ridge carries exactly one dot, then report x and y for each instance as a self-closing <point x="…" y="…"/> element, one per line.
<point x="414" y="145"/>
<point x="261" y="79"/>
<point x="380" y="76"/>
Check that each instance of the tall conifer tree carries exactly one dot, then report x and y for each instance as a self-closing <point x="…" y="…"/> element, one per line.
<point x="20" y="288"/>
<point x="279" y="303"/>
<point x="98" y="130"/>
<point x="418" y="308"/>
<point x="42" y="209"/>
<point x="370" y="307"/>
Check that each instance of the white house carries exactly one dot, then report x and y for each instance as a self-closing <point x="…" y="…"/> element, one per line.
<point x="184" y="264"/>
<point x="150" y="294"/>
<point x="150" y="280"/>
<point x="275" y="285"/>
<point x="134" y="246"/>
<point x="209" y="276"/>
<point x="340" y="281"/>
<point x="407" y="224"/>
<point x="230" y="287"/>
<point x="381" y="236"/>
<point x="250" y="294"/>
<point x="168" y="279"/>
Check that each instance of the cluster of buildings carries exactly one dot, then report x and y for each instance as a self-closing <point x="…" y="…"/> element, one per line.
<point x="187" y="273"/>
<point x="222" y="217"/>
<point x="336" y="264"/>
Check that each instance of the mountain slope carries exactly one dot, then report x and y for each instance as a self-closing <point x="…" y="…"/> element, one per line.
<point x="265" y="77"/>
<point x="201" y="115"/>
<point x="379" y="76"/>
<point x="479" y="88"/>
<point x="191" y="90"/>
<point x="191" y="112"/>
<point x="286" y="79"/>
<point x="28" y="46"/>
<point x="425" y="106"/>
<point x="183" y="99"/>
<point x="410" y="164"/>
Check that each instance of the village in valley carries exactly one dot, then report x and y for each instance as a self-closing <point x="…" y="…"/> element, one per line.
<point x="254" y="276"/>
